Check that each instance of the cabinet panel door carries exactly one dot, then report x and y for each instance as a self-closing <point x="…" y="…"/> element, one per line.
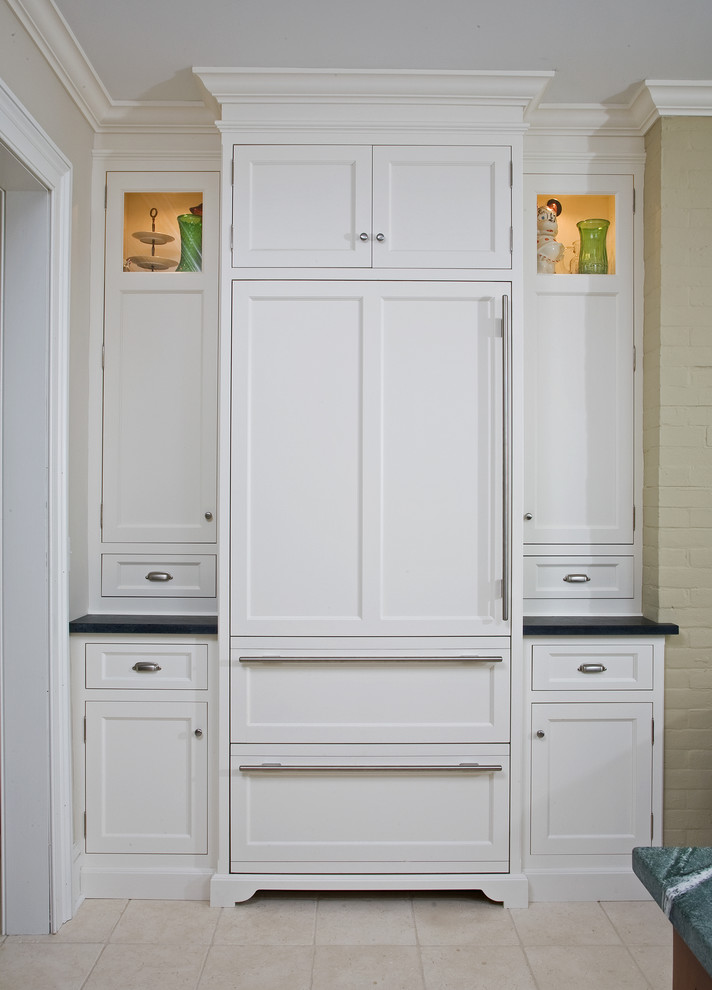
<point x="579" y="402"/>
<point x="343" y="813"/>
<point x="160" y="384"/>
<point x="591" y="777"/>
<point x="442" y="207"/>
<point x="367" y="459"/>
<point x="146" y="777"/>
<point x="302" y="206"/>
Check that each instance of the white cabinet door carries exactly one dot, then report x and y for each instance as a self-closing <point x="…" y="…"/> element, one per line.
<point x="405" y="809"/>
<point x="442" y="207"/>
<point x="579" y="386"/>
<point x="146" y="777"/>
<point x="160" y="382"/>
<point x="354" y="206"/>
<point x="303" y="206"/>
<point x="367" y="459"/>
<point x="591" y="777"/>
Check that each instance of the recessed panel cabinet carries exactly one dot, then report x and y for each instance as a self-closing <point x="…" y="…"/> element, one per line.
<point x="368" y="458"/>
<point x="382" y="207"/>
<point x="160" y="362"/>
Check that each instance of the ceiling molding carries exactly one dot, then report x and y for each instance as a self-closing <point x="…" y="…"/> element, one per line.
<point x="678" y="98"/>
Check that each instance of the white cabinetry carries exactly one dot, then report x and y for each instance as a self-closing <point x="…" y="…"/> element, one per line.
<point x="358" y="206"/>
<point x="581" y="473"/>
<point x="158" y="519"/>
<point x="143" y="775"/>
<point x="595" y="778"/>
<point x="368" y="458"/>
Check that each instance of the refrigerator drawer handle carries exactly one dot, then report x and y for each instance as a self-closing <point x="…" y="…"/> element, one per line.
<point x="354" y="768"/>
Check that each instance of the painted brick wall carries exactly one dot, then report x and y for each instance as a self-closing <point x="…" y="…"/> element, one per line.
<point x="677" y="519"/>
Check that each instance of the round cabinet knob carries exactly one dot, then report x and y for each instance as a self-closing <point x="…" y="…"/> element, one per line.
<point x="364" y="236"/>
<point x="540" y="734"/>
<point x="208" y="515"/>
<point x="198" y="733"/>
<point x="528" y="516"/>
<point x="380" y="237"/>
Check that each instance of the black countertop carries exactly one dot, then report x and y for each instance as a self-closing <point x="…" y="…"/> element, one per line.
<point x="182" y="625"/>
<point x="596" y="625"/>
<point x="536" y="625"/>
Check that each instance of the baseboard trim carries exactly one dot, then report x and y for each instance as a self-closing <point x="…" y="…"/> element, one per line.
<point x="148" y="884"/>
<point x="571" y="885"/>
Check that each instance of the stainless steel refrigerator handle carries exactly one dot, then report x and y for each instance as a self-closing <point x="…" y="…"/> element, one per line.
<point x="472" y="659"/>
<point x="506" y="452"/>
<point x="359" y="768"/>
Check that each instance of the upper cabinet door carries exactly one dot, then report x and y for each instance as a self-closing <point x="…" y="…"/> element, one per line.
<point x="445" y="207"/>
<point x="160" y="360"/>
<point x="302" y="206"/>
<point x="345" y="207"/>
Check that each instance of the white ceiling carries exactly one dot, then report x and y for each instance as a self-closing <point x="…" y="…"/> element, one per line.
<point x="144" y="50"/>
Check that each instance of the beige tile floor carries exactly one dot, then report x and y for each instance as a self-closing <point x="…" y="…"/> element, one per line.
<point x="356" y="941"/>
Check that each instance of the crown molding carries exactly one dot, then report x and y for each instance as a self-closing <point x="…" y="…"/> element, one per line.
<point x="678" y="98"/>
<point x="55" y="40"/>
<point x="236" y="91"/>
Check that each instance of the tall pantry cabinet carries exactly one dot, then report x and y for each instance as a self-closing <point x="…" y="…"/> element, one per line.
<point x="371" y="305"/>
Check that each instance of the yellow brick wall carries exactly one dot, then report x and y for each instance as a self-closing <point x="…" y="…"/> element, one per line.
<point x="677" y="441"/>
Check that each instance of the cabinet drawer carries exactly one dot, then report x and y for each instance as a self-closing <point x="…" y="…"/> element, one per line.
<point x="170" y="576"/>
<point x="578" y="577"/>
<point x="377" y="699"/>
<point x="592" y="668"/>
<point x="406" y="808"/>
<point x="136" y="666"/>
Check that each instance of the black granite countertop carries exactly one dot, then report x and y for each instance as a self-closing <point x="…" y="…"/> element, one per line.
<point x="596" y="625"/>
<point x="680" y="880"/>
<point x="182" y="625"/>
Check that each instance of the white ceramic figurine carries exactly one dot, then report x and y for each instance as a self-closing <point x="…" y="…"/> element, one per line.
<point x="548" y="249"/>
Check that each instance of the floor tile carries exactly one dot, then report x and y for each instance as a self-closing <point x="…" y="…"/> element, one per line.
<point x="176" y="922"/>
<point x="359" y="920"/>
<point x="639" y="922"/>
<point x="147" y="967"/>
<point x="267" y="920"/>
<point x="585" y="967"/>
<point x="45" y="965"/>
<point x="352" y="967"/>
<point x="258" y="967"/>
<point x="94" y="922"/>
<point x="462" y="920"/>
<point x="476" y="968"/>
<point x="655" y="961"/>
<point x="577" y="923"/>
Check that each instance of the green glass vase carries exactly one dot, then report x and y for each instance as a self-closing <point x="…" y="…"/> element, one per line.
<point x="191" y="243"/>
<point x="593" y="257"/>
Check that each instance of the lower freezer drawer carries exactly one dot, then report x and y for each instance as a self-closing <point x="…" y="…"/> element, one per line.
<point x="393" y="811"/>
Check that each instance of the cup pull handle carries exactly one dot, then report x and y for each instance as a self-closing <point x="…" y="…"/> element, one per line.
<point x="145" y="667"/>
<point x="159" y="576"/>
<point x="576" y="578"/>
<point x="592" y="668"/>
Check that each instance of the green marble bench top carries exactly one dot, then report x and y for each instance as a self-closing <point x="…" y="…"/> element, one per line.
<point x="680" y="880"/>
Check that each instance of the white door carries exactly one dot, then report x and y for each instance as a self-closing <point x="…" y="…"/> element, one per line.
<point x="591" y="781"/>
<point x="309" y="206"/>
<point x="442" y="207"/>
<point x="146" y="777"/>
<point x="294" y="810"/>
<point x="160" y="381"/>
<point x="579" y="386"/>
<point x="367" y="458"/>
<point x="302" y="206"/>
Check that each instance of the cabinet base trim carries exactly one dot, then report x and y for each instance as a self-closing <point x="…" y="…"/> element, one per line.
<point x="585" y="885"/>
<point x="228" y="890"/>
<point x="146" y="884"/>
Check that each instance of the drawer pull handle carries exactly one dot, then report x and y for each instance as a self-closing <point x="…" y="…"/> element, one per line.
<point x="358" y="768"/>
<point x="472" y="659"/>
<point x="145" y="667"/>
<point x="577" y="578"/>
<point x="159" y="576"/>
<point x="592" y="668"/>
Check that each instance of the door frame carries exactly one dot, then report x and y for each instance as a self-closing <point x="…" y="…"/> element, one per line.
<point x="23" y="136"/>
